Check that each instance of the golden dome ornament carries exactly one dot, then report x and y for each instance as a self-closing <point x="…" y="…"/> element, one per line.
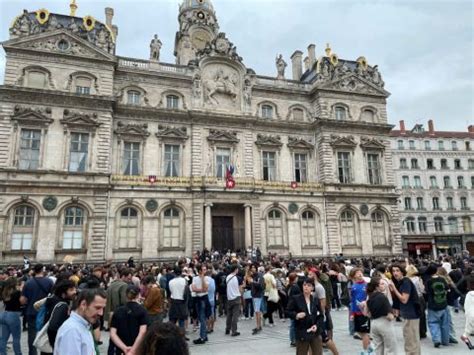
<point x="42" y="16"/>
<point x="334" y="59"/>
<point x="363" y="62"/>
<point x="89" y="23"/>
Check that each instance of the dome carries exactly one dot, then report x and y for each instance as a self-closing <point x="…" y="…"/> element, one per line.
<point x="196" y="4"/>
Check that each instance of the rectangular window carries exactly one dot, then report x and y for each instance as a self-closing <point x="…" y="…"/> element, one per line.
<point x="408" y="203"/>
<point x="222" y="161"/>
<point x="269" y="166"/>
<point x="72" y="240"/>
<point x="461" y="182"/>
<point x="403" y="163"/>
<point x="83" y="90"/>
<point x="454" y="145"/>
<point x="405" y="182"/>
<point x="444" y="164"/>
<point x="438" y="223"/>
<point x="131" y="158"/>
<point x="83" y="86"/>
<point x="29" y="149"/>
<point x="419" y="203"/>
<point x="436" y="203"/>
<point x="418" y="182"/>
<point x="470" y="164"/>
<point x="449" y="201"/>
<point x="300" y="167"/>
<point x="78" y="152"/>
<point x="472" y="182"/>
<point x="36" y="80"/>
<point x="410" y="225"/>
<point x="133" y="97"/>
<point x="422" y="225"/>
<point x="441" y="145"/>
<point x="429" y="164"/>
<point x="172" y="101"/>
<point x="433" y="182"/>
<point x="400" y="145"/>
<point x="344" y="167"/>
<point x="414" y="164"/>
<point x="447" y="182"/>
<point x="412" y="144"/>
<point x="457" y="164"/>
<point x="427" y="145"/>
<point x="464" y="203"/>
<point x="468" y="146"/>
<point x="373" y="169"/>
<point x="171" y="165"/>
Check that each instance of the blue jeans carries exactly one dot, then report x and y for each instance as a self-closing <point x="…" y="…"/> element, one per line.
<point x="292" y="331"/>
<point x="201" y="311"/>
<point x="438" y="323"/>
<point x="10" y="324"/>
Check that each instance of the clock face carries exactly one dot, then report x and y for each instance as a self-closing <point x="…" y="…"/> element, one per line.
<point x="199" y="39"/>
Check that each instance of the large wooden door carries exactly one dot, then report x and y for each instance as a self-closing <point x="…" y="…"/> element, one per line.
<point x="470" y="247"/>
<point x="223" y="233"/>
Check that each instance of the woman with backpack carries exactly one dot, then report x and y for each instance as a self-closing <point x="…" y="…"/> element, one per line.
<point x="10" y="319"/>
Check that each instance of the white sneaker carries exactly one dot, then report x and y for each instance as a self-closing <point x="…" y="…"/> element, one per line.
<point x="251" y="318"/>
<point x="246" y="318"/>
<point x="271" y="325"/>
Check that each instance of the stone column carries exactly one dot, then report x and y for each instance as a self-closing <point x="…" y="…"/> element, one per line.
<point x="207" y="226"/>
<point x="248" y="226"/>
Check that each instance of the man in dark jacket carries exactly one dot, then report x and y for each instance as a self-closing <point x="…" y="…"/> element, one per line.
<point x="64" y="293"/>
<point x="308" y="316"/>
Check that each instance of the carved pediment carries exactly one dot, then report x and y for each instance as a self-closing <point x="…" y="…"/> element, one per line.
<point x="33" y="117"/>
<point x="218" y="136"/>
<point x="80" y="120"/>
<point x="173" y="133"/>
<point x="343" y="142"/>
<point x="132" y="130"/>
<point x="299" y="143"/>
<point x="268" y="141"/>
<point x="353" y="83"/>
<point x="371" y="144"/>
<point x="220" y="46"/>
<point x="61" y="42"/>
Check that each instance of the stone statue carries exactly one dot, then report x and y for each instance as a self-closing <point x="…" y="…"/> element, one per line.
<point x="247" y="92"/>
<point x="155" y="47"/>
<point x="73" y="26"/>
<point x="281" y="66"/>
<point x="101" y="39"/>
<point x="221" y="84"/>
<point x="197" y="86"/>
<point x="21" y="27"/>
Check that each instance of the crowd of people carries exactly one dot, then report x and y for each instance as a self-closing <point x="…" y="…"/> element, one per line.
<point x="152" y="308"/>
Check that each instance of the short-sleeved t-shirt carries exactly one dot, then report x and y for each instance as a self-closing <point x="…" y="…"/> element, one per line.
<point x="319" y="291"/>
<point x="378" y="305"/>
<point x="127" y="320"/>
<point x="35" y="289"/>
<point x="408" y="310"/>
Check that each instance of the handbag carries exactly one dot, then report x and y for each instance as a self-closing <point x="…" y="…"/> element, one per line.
<point x="273" y="295"/>
<point x="41" y="341"/>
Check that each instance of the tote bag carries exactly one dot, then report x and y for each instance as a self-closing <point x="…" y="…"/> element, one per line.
<point x="273" y="295"/>
<point x="41" y="341"/>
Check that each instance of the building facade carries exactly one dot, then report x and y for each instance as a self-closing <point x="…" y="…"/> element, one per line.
<point x="435" y="174"/>
<point x="105" y="157"/>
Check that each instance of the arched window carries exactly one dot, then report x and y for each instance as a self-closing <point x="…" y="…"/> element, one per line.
<point x="453" y="224"/>
<point x="379" y="228"/>
<point x="410" y="224"/>
<point x="133" y="97"/>
<point x="422" y="225"/>
<point x="438" y="224"/>
<point x="309" y="228"/>
<point x="348" y="231"/>
<point x="171" y="228"/>
<point x="447" y="182"/>
<point x="298" y="114"/>
<point x="275" y="228"/>
<point x="36" y="79"/>
<point x="83" y="85"/>
<point x="267" y="111"/>
<point x="73" y="228"/>
<point x="340" y="113"/>
<point x="128" y="228"/>
<point x="368" y="115"/>
<point x="23" y="228"/>
<point x="172" y="101"/>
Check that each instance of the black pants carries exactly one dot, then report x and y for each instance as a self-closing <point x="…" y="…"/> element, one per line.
<point x="31" y="320"/>
<point x="423" y="318"/>
<point x="222" y="304"/>
<point x="271" y="307"/>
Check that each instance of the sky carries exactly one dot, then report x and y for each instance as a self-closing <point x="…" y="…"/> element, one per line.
<point x="424" y="49"/>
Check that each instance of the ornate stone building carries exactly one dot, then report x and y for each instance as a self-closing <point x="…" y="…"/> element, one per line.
<point x="104" y="157"/>
<point x="435" y="174"/>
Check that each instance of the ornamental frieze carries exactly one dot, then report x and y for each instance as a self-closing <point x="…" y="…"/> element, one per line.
<point x="220" y="136"/>
<point x="32" y="115"/>
<point x="343" y="141"/>
<point x="299" y="143"/>
<point x="136" y="130"/>
<point x="268" y="141"/>
<point x="77" y="119"/>
<point x="175" y="133"/>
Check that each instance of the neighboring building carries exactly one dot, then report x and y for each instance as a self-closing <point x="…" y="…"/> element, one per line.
<point x="435" y="174"/>
<point x="104" y="157"/>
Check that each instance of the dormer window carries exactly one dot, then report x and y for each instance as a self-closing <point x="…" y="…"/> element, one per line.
<point x="267" y="111"/>
<point x="83" y="85"/>
<point x="341" y="113"/>
<point x="133" y="97"/>
<point x="298" y="114"/>
<point x="36" y="79"/>
<point x="172" y="101"/>
<point x="368" y="115"/>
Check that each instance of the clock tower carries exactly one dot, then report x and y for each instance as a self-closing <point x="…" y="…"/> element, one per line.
<point x="197" y="26"/>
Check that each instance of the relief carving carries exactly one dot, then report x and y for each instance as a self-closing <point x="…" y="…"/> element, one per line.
<point x="222" y="82"/>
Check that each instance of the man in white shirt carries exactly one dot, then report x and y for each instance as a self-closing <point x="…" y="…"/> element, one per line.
<point x="179" y="308"/>
<point x="233" y="301"/>
<point x="199" y="287"/>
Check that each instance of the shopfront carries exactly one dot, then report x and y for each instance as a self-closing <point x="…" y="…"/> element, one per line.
<point x="451" y="245"/>
<point x="420" y="249"/>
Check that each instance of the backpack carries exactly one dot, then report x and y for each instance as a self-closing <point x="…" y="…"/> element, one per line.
<point x="440" y="295"/>
<point x="40" y="316"/>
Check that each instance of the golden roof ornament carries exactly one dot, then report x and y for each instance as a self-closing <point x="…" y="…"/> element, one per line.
<point x="328" y="50"/>
<point x="73" y="8"/>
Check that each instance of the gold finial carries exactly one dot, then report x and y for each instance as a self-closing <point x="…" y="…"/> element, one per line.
<point x="73" y="8"/>
<point x="328" y="50"/>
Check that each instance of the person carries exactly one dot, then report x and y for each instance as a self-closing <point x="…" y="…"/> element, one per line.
<point x="452" y="297"/>
<point x="211" y="294"/>
<point x="63" y="294"/>
<point x="308" y="315"/>
<point x="270" y="284"/>
<point x="438" y="318"/>
<point x="221" y="290"/>
<point x="10" y="318"/>
<point x="154" y="300"/>
<point x="116" y="293"/>
<point x="258" y="286"/>
<point x="358" y="296"/>
<point x="199" y="286"/>
<point x="35" y="289"/>
<point x="469" y="312"/>
<point x="412" y="274"/>
<point x="292" y="290"/>
<point x="381" y="318"/>
<point x="249" y="312"/>
<point x="129" y="324"/>
<point x="406" y="300"/>
<point x="164" y="339"/>
<point x="179" y="295"/>
<point x="233" y="301"/>
<point x="74" y="336"/>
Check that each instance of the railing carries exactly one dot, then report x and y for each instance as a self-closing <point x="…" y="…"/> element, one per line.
<point x="142" y="64"/>
<point x="263" y="80"/>
<point x="134" y="63"/>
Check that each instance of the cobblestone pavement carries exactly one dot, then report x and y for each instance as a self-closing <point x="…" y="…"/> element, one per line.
<point x="275" y="340"/>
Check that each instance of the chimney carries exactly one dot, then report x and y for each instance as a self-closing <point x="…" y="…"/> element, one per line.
<point x="430" y="128"/>
<point x="306" y="64"/>
<point x="470" y="128"/>
<point x="402" y="126"/>
<point x="311" y="55"/>
<point x="296" y="63"/>
<point x="109" y="15"/>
